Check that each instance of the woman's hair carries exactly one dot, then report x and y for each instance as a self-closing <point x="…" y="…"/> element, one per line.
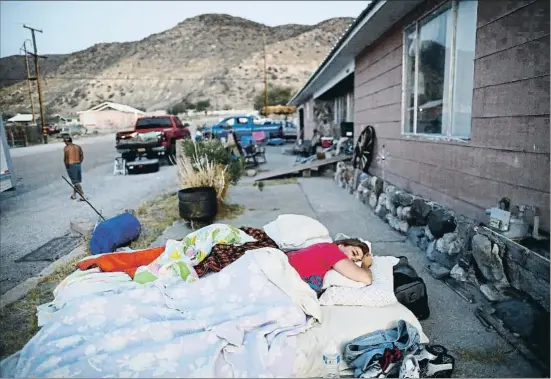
<point x="355" y="243"/>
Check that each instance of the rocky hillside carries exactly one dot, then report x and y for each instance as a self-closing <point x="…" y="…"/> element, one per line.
<point x="212" y="56"/>
<point x="13" y="70"/>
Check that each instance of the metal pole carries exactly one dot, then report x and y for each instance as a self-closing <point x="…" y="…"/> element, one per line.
<point x="40" y="102"/>
<point x="265" y="78"/>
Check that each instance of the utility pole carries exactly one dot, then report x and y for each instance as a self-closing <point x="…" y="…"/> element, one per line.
<point x="24" y="47"/>
<point x="37" y="72"/>
<point x="265" y="78"/>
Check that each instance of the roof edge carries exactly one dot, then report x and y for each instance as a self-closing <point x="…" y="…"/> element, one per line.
<point x="333" y="51"/>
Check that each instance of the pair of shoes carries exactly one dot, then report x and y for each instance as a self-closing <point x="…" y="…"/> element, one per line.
<point x="435" y="362"/>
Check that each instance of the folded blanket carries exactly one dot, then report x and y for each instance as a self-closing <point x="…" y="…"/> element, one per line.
<point x="122" y="262"/>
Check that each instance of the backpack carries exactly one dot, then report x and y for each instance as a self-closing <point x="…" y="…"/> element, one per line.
<point x="410" y="289"/>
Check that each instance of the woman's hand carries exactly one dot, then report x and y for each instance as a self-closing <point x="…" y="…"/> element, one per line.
<point x="349" y="269"/>
<point x="367" y="261"/>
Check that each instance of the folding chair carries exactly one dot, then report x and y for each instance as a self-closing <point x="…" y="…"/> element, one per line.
<point x="250" y="156"/>
<point x="260" y="142"/>
<point x="119" y="166"/>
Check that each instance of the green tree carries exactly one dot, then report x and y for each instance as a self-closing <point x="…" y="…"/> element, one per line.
<point x="202" y="105"/>
<point x="177" y="108"/>
<point x="276" y="96"/>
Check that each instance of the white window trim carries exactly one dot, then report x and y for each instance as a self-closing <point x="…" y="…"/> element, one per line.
<point x="448" y="132"/>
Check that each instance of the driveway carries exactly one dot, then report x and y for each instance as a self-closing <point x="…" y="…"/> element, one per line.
<point x="40" y="209"/>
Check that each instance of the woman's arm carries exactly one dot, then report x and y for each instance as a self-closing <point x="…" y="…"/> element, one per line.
<point x="352" y="271"/>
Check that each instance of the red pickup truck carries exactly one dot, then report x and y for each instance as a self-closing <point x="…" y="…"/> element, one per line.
<point x="153" y="137"/>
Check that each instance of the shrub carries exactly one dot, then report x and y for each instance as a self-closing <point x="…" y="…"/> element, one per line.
<point x="212" y="152"/>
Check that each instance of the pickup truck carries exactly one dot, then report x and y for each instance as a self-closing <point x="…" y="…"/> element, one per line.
<point x="153" y="137"/>
<point x="244" y="126"/>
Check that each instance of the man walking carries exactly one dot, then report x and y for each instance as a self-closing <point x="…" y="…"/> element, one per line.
<point x="73" y="157"/>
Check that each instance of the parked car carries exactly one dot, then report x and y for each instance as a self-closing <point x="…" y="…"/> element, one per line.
<point x="70" y="131"/>
<point x="244" y="126"/>
<point x="153" y="137"/>
<point x="289" y="130"/>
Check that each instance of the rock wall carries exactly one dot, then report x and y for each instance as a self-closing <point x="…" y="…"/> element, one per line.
<point x="456" y="246"/>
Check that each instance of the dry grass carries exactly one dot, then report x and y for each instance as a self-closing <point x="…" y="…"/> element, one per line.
<point x="229" y="211"/>
<point x="155" y="216"/>
<point x="19" y="322"/>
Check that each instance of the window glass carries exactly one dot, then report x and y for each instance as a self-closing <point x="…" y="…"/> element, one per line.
<point x="439" y="71"/>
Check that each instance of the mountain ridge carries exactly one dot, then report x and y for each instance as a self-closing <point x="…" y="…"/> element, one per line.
<point x="211" y="56"/>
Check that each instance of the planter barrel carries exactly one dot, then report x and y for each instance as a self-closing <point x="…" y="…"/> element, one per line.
<point x="198" y="204"/>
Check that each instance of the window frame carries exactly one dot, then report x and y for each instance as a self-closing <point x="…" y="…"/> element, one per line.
<point x="453" y="5"/>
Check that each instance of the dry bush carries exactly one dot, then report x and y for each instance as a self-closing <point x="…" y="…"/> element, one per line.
<point x="200" y="171"/>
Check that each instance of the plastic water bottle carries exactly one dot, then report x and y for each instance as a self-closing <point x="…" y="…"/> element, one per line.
<point x="331" y="360"/>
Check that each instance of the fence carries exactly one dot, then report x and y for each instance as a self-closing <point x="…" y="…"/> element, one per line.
<point x="20" y="136"/>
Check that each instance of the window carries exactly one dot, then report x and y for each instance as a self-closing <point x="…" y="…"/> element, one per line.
<point x="439" y="71"/>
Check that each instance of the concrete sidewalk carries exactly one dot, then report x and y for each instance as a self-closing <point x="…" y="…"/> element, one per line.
<point x="478" y="352"/>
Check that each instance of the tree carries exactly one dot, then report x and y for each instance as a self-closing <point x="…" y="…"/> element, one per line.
<point x="276" y="96"/>
<point x="202" y="105"/>
<point x="177" y="108"/>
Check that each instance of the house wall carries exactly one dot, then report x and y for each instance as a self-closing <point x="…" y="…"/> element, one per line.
<point x="508" y="154"/>
<point x="107" y="119"/>
<point x="309" y="119"/>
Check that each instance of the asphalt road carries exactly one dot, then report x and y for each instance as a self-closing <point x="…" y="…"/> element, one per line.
<point x="40" y="208"/>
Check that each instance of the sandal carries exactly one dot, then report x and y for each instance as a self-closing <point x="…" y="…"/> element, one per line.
<point x="430" y="352"/>
<point x="441" y="367"/>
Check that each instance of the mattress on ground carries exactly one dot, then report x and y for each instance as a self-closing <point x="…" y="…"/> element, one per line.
<point x="344" y="323"/>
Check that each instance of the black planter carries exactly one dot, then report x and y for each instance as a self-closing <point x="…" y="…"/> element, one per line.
<point x="198" y="204"/>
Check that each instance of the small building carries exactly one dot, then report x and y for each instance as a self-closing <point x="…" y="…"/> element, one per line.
<point x="109" y="116"/>
<point x="21" y="119"/>
<point x="457" y="92"/>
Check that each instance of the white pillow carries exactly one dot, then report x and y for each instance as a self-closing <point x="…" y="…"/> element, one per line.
<point x="379" y="294"/>
<point x="293" y="232"/>
<point x="334" y="278"/>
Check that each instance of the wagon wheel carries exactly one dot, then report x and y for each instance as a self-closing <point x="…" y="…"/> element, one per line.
<point x="363" y="151"/>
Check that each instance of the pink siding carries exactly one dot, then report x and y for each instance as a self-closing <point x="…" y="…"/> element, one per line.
<point x="108" y="119"/>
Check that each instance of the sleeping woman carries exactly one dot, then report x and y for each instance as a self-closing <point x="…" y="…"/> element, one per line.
<point x="313" y="262"/>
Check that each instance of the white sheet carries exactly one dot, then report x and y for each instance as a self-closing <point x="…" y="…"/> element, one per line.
<point x="344" y="323"/>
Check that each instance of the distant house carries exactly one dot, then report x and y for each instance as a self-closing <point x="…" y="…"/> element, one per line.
<point x="109" y="116"/>
<point x="64" y="120"/>
<point x="21" y="119"/>
<point x="458" y="94"/>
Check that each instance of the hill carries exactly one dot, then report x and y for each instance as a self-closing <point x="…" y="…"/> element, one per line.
<point x="213" y="56"/>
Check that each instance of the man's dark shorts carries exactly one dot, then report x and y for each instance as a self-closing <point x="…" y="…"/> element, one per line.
<point x="75" y="173"/>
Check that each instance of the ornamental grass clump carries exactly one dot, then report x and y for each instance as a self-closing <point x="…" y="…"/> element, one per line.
<point x="208" y="164"/>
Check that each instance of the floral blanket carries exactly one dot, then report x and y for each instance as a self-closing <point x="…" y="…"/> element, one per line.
<point x="179" y="257"/>
<point x="239" y="322"/>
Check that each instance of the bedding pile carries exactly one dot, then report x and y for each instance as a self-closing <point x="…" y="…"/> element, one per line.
<point x="160" y="312"/>
<point x="232" y="324"/>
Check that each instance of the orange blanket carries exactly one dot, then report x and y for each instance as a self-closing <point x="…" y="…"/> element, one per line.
<point x="122" y="262"/>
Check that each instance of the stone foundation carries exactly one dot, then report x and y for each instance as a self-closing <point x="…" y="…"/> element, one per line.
<point x="454" y="245"/>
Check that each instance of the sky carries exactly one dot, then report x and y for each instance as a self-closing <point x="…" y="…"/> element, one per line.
<point x="70" y="26"/>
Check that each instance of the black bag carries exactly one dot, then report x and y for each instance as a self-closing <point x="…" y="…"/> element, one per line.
<point x="410" y="289"/>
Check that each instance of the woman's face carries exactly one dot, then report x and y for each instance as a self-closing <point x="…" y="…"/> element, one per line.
<point x="353" y="253"/>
